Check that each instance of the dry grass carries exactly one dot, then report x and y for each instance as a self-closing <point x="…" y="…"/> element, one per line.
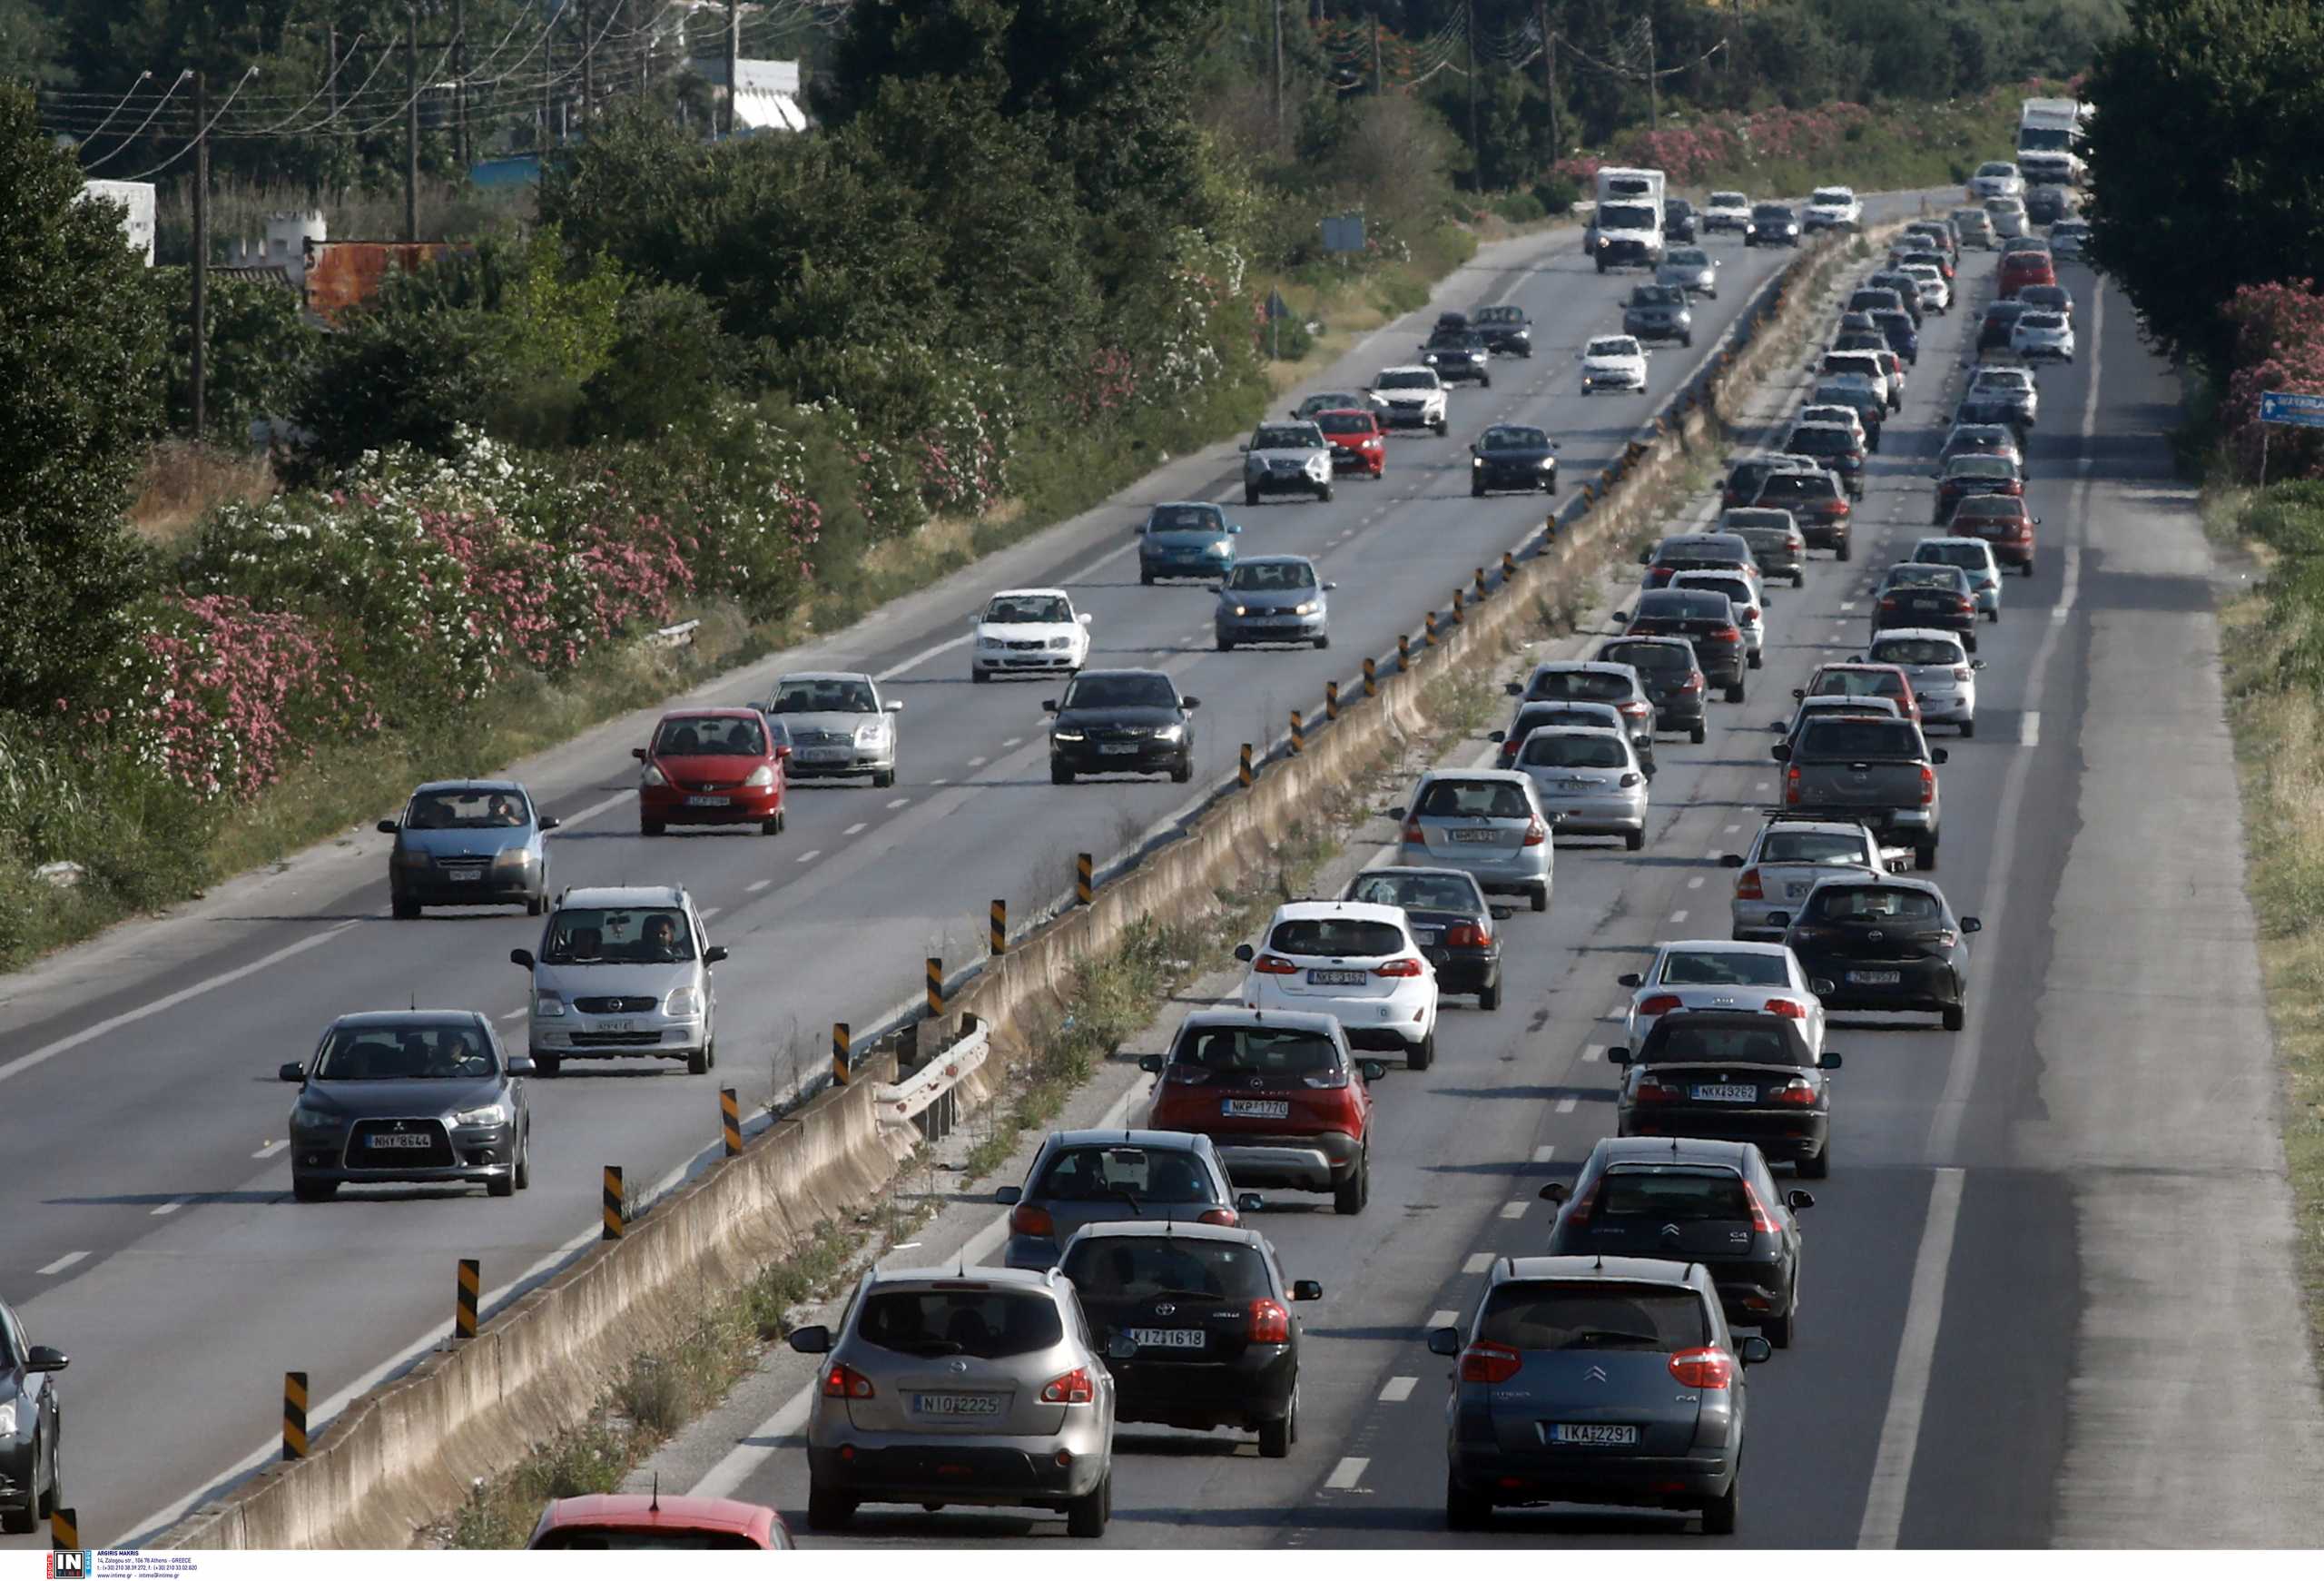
<point x="183" y="481"/>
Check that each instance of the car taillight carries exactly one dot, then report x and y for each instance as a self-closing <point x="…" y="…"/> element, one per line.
<point x="1536" y="832"/>
<point x="1508" y="747"/>
<point x="1466" y="936"/>
<point x="1747" y="887"/>
<point x="1412" y="836"/>
<point x="1799" y="1091"/>
<point x="1837" y="507"/>
<point x="1651" y="1090"/>
<point x="1636" y="709"/>
<point x="1963" y="606"/>
<point x="1661" y="1004"/>
<point x="1225" y="1218"/>
<point x="1727" y="634"/>
<point x="1402" y="966"/>
<point x="1656" y="575"/>
<point x="1070" y="1389"/>
<point x="1750" y="617"/>
<point x="843" y="1382"/>
<point x="1889" y="603"/>
<point x="1270" y="1324"/>
<point x="1960" y="672"/>
<point x="1485" y="1362"/>
<point x="1028" y="1219"/>
<point x="1708" y="1367"/>
<point x="1274" y="966"/>
<point x="1797" y="545"/>
<point x="1762" y="1221"/>
<point x="1791" y="785"/>
<point x="1789" y="1008"/>
<point x="1694" y="683"/>
<point x="1928" y="785"/>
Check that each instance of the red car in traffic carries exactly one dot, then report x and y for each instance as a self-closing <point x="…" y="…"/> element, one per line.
<point x="640" y="1520"/>
<point x="2019" y="270"/>
<point x="1279" y="1095"/>
<point x="1864" y="680"/>
<point x="713" y="765"/>
<point x="2004" y="521"/>
<point x="1355" y="440"/>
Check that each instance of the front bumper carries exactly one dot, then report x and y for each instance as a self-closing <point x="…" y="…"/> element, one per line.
<point x="1146" y="755"/>
<point x="1028" y="661"/>
<point x="1317" y="1162"/>
<point x="1625" y="250"/>
<point x="485" y="885"/>
<point x="830" y="762"/>
<point x="1275" y="482"/>
<point x="1612" y="378"/>
<point x="742" y="805"/>
<point x="1400" y="415"/>
<point x="1527" y="477"/>
<point x="1197" y="568"/>
<point x="479" y="1154"/>
<point x="899" y="1469"/>
<point x="649" y="1035"/>
<point x="1271" y="627"/>
<point x="1254" y="1388"/>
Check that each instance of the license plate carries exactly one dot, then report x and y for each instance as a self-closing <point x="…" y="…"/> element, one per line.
<point x="1794" y="891"/>
<point x="1726" y="1094"/>
<point x="1592" y="1433"/>
<point x="709" y="801"/>
<point x="1256" y="1107"/>
<point x="1121" y="749"/>
<point x="465" y="874"/>
<point x="1336" y="979"/>
<point x="1474" y="837"/>
<point x="1877" y="979"/>
<point x="957" y="1405"/>
<point x="827" y="753"/>
<point x="1426" y="935"/>
<point x="406" y="1138"/>
<point x="1171" y="1338"/>
<point x="616" y="1026"/>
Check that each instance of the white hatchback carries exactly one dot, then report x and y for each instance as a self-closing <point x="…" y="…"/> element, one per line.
<point x="1722" y="974"/>
<point x="1030" y="631"/>
<point x="1613" y="362"/>
<point x="2039" y="335"/>
<point x="1351" y="960"/>
<point x="1944" y="675"/>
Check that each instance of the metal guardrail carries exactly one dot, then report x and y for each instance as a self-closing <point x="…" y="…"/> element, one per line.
<point x="678" y="636"/>
<point x="925" y="1098"/>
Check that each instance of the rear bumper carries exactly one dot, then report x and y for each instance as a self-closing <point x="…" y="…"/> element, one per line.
<point x="1919" y="986"/>
<point x="1310" y="1163"/>
<point x="1556" y="1476"/>
<point x="967" y="1470"/>
<point x="1463" y="971"/>
<point x="1596" y="814"/>
<point x="1780" y="1134"/>
<point x="1254" y="1388"/>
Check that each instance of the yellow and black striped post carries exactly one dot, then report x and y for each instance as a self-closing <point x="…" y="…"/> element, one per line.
<point x="64" y="1528"/>
<point x="1371" y="678"/>
<point x="616" y="1205"/>
<point x="1244" y="774"/>
<point x="294" y="1416"/>
<point x="730" y="1119"/>
<point x="1085" y="886"/>
<point x="1298" y="733"/>
<point x="1458" y="618"/>
<point x="842" y="1058"/>
<point x="1331" y="699"/>
<point x="1429" y="635"/>
<point x="936" y="985"/>
<point x="1403" y="652"/>
<point x="1508" y="560"/>
<point x="1481" y="583"/>
<point x="998" y="942"/>
<point x="464" y="1298"/>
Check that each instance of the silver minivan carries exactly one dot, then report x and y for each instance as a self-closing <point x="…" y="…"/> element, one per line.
<point x="945" y="1387"/>
<point x="1489" y="823"/>
<point x="623" y="973"/>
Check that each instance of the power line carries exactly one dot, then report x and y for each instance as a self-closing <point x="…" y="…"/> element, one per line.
<point x="126" y="142"/>
<point x="200" y="136"/>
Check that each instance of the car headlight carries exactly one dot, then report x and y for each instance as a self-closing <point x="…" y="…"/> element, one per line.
<point x="1477" y="461"/>
<point x="490" y="1114"/>
<point x="515" y="856"/>
<point x="1223" y="546"/>
<point x="1169" y="732"/>
<point x="1059" y="643"/>
<point x="412" y="859"/>
<point x="1549" y="463"/>
<point x="547" y="1006"/>
<point x="985" y="641"/>
<point x="683" y="1002"/>
<point x="652" y="776"/>
<point x="304" y="1116"/>
<point x="868" y="734"/>
<point x="761" y="776"/>
<point x="1240" y="609"/>
<point x="1303" y="610"/>
<point x="7" y="1420"/>
<point x="1062" y="734"/>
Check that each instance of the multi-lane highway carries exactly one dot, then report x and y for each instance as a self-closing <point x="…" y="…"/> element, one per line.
<point x="2047" y="1297"/>
<point x="152" y="1232"/>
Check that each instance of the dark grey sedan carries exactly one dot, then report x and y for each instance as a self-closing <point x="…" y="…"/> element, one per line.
<point x="1082" y="1178"/>
<point x="467" y="841"/>
<point x="1273" y="598"/>
<point x="32" y="1427"/>
<point x="1513" y="456"/>
<point x="418" y="1095"/>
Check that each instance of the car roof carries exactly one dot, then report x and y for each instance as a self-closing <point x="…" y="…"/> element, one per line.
<point x="1183" y="504"/>
<point x="1848" y="664"/>
<point x="394" y="1018"/>
<point x="1952" y="539"/>
<point x="1300" y="911"/>
<point x="711" y="711"/>
<point x="1682" y="1149"/>
<point x="1163" y="674"/>
<point x="1722" y="540"/>
<point x="821" y="676"/>
<point x="621" y="895"/>
<point x="1021" y="1279"/>
<point x="1730" y="946"/>
<point x="1667" y="641"/>
<point x="1134" y="1136"/>
<point x="502" y="786"/>
<point x="1028" y="593"/>
<point x="1594" y="666"/>
<point x="1923" y="633"/>
<point x="1814" y="825"/>
<point x="1174" y="1229"/>
<point x="1274" y="561"/>
<point x="1295" y="1020"/>
<point x="1595" y="1270"/>
<point x="678" y="1511"/>
<point x="1854" y="878"/>
<point x="1540" y="731"/>
<point x="1408" y="368"/>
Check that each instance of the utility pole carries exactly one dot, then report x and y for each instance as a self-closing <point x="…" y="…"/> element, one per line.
<point x="734" y="58"/>
<point x="1653" y="82"/>
<point x="411" y="123"/>
<point x="460" y="83"/>
<point x="1476" y="148"/>
<point x="645" y="47"/>
<point x="1550" y="79"/>
<point x="201" y="247"/>
<point x="589" y="67"/>
<point x="1379" y="78"/>
<point x="1278" y="68"/>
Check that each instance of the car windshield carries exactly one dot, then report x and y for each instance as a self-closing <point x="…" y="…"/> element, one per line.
<point x="1969" y="557"/>
<point x="1989" y="508"/>
<point x="1136" y="1268"/>
<point x="1748" y="518"/>
<point x="1501" y="315"/>
<point x="1335" y="936"/>
<point x="1916" y="650"/>
<point x="1688" y="258"/>
<point x="649" y="934"/>
<point x="1282" y="438"/>
<point x="1666" y="1195"/>
<point x="1514" y="439"/>
<point x="1612" y="345"/>
<point x="1852" y="740"/>
<point x="709" y="736"/>
<point x="1595" y="750"/>
<point x="1257" y="1051"/>
<point x="1730" y="201"/>
<point x="1029" y="610"/>
<point x="1586" y="684"/>
<point x="1724" y="968"/>
<point x="1813" y="848"/>
<point x="468" y="809"/>
<point x="829" y="696"/>
<point x="1857" y="903"/>
<point x="1408" y="382"/>
<point x="1798" y="486"/>
<point x="1649" y="656"/>
<point x="1185" y="519"/>
<point x="1734" y="589"/>
<point x="2040" y="321"/>
<point x="1855" y="684"/>
<point x="1832" y="196"/>
<point x="1121" y="691"/>
<point x="1271" y="575"/>
<point x="1587" y="716"/>
<point x="972" y="1319"/>
<point x="1980" y="465"/>
<point x="1756" y="1041"/>
<point x="1658" y="296"/>
<point x="1346" y="422"/>
<point x="626" y="1538"/>
<point x="1331" y="401"/>
<point x="1996" y="167"/>
<point x="1474" y="798"/>
<point x="1093" y="1174"/>
<point x="1574" y="1316"/>
<point x="1453" y="892"/>
<point x="441" y="1052"/>
<point x="1627" y="217"/>
<point x="1920" y="574"/>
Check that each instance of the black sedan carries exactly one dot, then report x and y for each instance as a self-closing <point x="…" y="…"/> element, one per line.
<point x="1733" y="1075"/>
<point x="1459" y="356"/>
<point x="1195" y="1323"/>
<point x="1922" y="595"/>
<point x="1121" y="722"/>
<point x="1672" y="677"/>
<point x="31" y="1430"/>
<point x="1712" y="1202"/>
<point x="1884" y="944"/>
<point x="1510" y="456"/>
<point x="1505" y="328"/>
<point x="422" y="1095"/>
<point x="1772" y="225"/>
<point x="1706" y="619"/>
<point x="1451" y="921"/>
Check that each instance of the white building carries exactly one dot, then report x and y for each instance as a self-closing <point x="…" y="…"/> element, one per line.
<point x="137" y="197"/>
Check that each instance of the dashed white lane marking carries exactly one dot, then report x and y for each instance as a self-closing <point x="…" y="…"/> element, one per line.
<point x="1014" y="741"/>
<point x="1679" y="915"/>
<point x="1847" y="605"/>
<point x="271" y="1147"/>
<point x="1732" y="829"/>
<point x="854" y="829"/>
<point x="1619" y="1013"/>
<point x="1542" y="1155"/>
<point x="900" y="801"/>
<point x="1346" y="1474"/>
<point x="70" y="1257"/>
<point x="1763" y="786"/>
<point x="1566" y="1105"/>
<point x="979" y="761"/>
<point x="761" y="883"/>
<point x="170" y="1206"/>
<point x="1900" y="1431"/>
<point x="1696" y="882"/>
<point x="514" y="1015"/>
<point x="709" y="911"/>
<point x="940" y="780"/>
<point x="811" y="855"/>
<point x="1592" y="1051"/>
<point x="1478" y="1262"/>
<point x="2029" y="728"/>
<point x="1515" y="1208"/>
<point x="1443" y="1318"/>
<point x="1397" y="1390"/>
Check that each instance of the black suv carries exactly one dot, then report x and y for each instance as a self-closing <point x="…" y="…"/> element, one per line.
<point x="1678" y="220"/>
<point x="1459" y="356"/>
<point x="1121" y="722"/>
<point x="1660" y="312"/>
<point x="1706" y="619"/>
<point x="1673" y="679"/>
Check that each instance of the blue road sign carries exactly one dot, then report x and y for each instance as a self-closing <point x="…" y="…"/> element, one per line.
<point x="2305" y="411"/>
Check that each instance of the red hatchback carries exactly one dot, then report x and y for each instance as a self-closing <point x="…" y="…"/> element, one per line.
<point x="1279" y="1095"/>
<point x="712" y="765"/>
<point x="639" y="1520"/>
<point x="2019" y="270"/>
<point x="2003" y="521"/>
<point x="1355" y="441"/>
<point x="1864" y="680"/>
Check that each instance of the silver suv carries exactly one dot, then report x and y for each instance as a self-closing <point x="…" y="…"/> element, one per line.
<point x="623" y="973"/>
<point x="940" y="1387"/>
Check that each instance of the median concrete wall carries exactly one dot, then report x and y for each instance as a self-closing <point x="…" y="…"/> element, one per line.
<point x="404" y="1455"/>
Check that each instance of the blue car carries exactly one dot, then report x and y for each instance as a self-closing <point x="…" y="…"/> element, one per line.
<point x="468" y="842"/>
<point x="1186" y="538"/>
<point x="1903" y="335"/>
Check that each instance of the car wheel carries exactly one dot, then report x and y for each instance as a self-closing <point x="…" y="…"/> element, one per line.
<point x="501" y="1185"/>
<point x="54" y="1497"/>
<point x="1086" y="1515"/>
<point x="525" y="1163"/>
<point x="306" y="1191"/>
<point x="1145" y="579"/>
<point x="1184" y="770"/>
<point x="1422" y="1057"/>
<point x="978" y="677"/>
<point x="1324" y="495"/>
<point x="1463" y="1510"/>
<point x="1968" y="729"/>
<point x="405" y="910"/>
<point x="698" y="1060"/>
<point x="1476" y="491"/>
<point x="546" y="1066"/>
<point x="1799" y="579"/>
<point x="1992" y="616"/>
<point x="1550" y="485"/>
<point x="1541" y="897"/>
<point x="1350" y="1195"/>
<point x="828" y="1511"/>
<point x="1956" y="1016"/>
<point x="1250" y="497"/>
<point x="1227" y="645"/>
<point x="648" y="828"/>
<point x="18" y="1522"/>
<point x="1440" y="426"/>
<point x="534" y="905"/>
<point x="1323" y="641"/>
<point x="1719" y="1515"/>
<point x="1696" y="732"/>
<point x="2027" y="570"/>
<point x="771" y="826"/>
<point x="1925" y="856"/>
<point x="885" y="779"/>
<point x="1059" y="773"/>
<point x="1735" y="693"/>
<point x="1634" y="839"/>
<point x="1818" y="1167"/>
<point x="1777" y="1331"/>
<point x="1841" y="553"/>
<point x="1755" y="660"/>
<point x="1489" y="996"/>
<point x="1275" y="1439"/>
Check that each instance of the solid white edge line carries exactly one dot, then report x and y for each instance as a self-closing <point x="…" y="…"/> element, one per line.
<point x="1900" y="1431"/>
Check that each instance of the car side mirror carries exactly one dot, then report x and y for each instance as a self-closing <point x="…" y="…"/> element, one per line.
<point x="1795" y="1201"/>
<point x="1617" y="1055"/>
<point x="1444" y="1341"/>
<point x="1476" y="449"/>
<point x="1496" y="734"/>
<point x="1245" y="954"/>
<point x="713" y="954"/>
<point x="521" y="1065"/>
<point x="1646" y="556"/>
<point x="523" y="958"/>
<point x="1976" y="663"/>
<point x="1631" y="979"/>
<point x="1972" y="926"/>
<point x="387" y="825"/>
<point x="46" y="1359"/>
<point x="1374" y="1070"/>
<point x="1190" y="704"/>
<point x="1049" y="705"/>
<point x="638" y="753"/>
<point x="293" y="1072"/>
<point x="1331" y="587"/>
<point x="548" y="823"/>
<point x="1938" y="755"/>
<point x="896" y="705"/>
<point x="1754" y="1351"/>
<point x="1819" y="986"/>
<point x="1555" y="1192"/>
<point x="783" y="754"/>
<point x="1009" y="1196"/>
<point x="1778" y="919"/>
<point x="1245" y="448"/>
<point x="1829" y="1059"/>
<point x="1798" y="692"/>
<point x="1249" y="1202"/>
<point x="1120" y="1347"/>
<point x="1732" y="859"/>
<point x="1501" y="912"/>
<point x="1781" y="752"/>
<point x="814" y="1339"/>
<point x="1513" y="688"/>
<point x="1396" y="812"/>
<point x="1084" y="619"/>
<point x="1150" y="1063"/>
<point x="1307" y="1290"/>
<point x="1621" y="615"/>
<point x="2037" y="521"/>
